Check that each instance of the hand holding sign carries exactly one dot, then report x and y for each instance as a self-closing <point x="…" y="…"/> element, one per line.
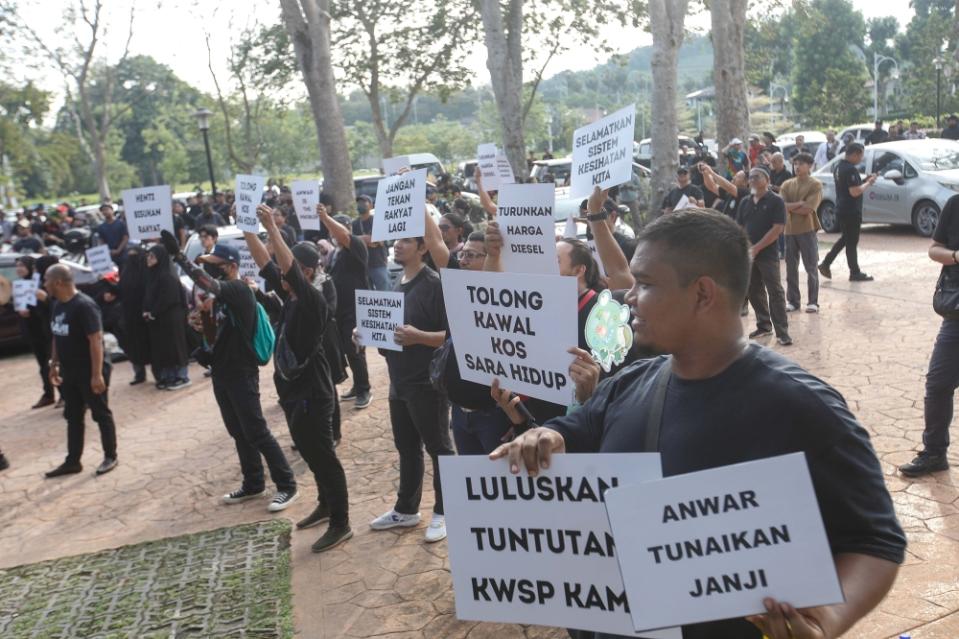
<point x="782" y="621"/>
<point x="603" y="152"/>
<point x="532" y="450"/>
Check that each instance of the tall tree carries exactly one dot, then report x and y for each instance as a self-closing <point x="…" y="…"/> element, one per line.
<point x="729" y="69"/>
<point x="308" y="23"/>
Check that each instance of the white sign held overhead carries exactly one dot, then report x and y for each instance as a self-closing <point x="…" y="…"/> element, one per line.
<point x="24" y="294"/>
<point x="378" y="313"/>
<point x="99" y="260"/>
<point x="392" y="166"/>
<point x="486" y="161"/>
<point x="525" y="216"/>
<point x="603" y="153"/>
<point x="248" y="267"/>
<point x="539" y="550"/>
<point x="249" y="194"/>
<point x="711" y="545"/>
<point x="400" y="206"/>
<point x="306" y="195"/>
<point x="148" y="211"/>
<point x="515" y="327"/>
<point x="504" y="171"/>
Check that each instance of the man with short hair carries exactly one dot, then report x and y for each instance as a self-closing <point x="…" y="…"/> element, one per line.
<point x="778" y="171"/>
<point x="802" y="195"/>
<point x="951" y="132"/>
<point x="112" y="231"/>
<point x="849" y="189"/>
<point x="914" y="133"/>
<point x="827" y="150"/>
<point x="799" y="146"/>
<point x="736" y="158"/>
<point x="683" y="188"/>
<point x="27" y="242"/>
<point x="878" y="135"/>
<point x="78" y="367"/>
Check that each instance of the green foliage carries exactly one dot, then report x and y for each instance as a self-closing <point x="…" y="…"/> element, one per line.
<point x="449" y="141"/>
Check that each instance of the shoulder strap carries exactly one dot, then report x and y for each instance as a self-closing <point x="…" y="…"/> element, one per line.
<point x="584" y="300"/>
<point x="654" y="423"/>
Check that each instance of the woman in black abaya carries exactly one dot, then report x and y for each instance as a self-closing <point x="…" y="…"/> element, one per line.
<point x="132" y="286"/>
<point x="164" y="309"/>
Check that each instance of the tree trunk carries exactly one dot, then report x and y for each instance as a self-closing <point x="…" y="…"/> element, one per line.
<point x="100" y="168"/>
<point x="729" y="70"/>
<point x="308" y="23"/>
<point x="666" y="18"/>
<point x="505" y="63"/>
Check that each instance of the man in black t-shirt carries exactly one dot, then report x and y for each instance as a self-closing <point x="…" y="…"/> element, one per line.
<point x="377" y="252"/>
<point x="849" y="189"/>
<point x="236" y="373"/>
<point x="727" y="401"/>
<point x="778" y="172"/>
<point x="26" y="242"/>
<point x="78" y="367"/>
<point x="683" y="188"/>
<point x="951" y="132"/>
<point x="878" y="135"/>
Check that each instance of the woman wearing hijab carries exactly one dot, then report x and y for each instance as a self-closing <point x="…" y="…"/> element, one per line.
<point x="164" y="309"/>
<point x="132" y="286"/>
<point x="35" y="327"/>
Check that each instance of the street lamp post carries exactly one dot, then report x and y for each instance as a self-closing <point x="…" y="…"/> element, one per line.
<point x="937" y="61"/>
<point x="773" y="87"/>
<point x="877" y="60"/>
<point x="203" y="121"/>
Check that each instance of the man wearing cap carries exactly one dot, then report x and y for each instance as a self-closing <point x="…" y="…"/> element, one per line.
<point x="376" y="251"/>
<point x="736" y="158"/>
<point x="236" y="373"/>
<point x="877" y="135"/>
<point x="827" y="150"/>
<point x="755" y="148"/>
<point x="770" y="142"/>
<point x="112" y="231"/>
<point x="951" y="132"/>
<point x="302" y="373"/>
<point x="683" y="188"/>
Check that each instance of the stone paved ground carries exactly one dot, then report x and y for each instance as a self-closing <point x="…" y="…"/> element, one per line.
<point x="872" y="341"/>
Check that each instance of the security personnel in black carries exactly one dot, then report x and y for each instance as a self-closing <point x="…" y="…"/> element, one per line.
<point x="849" y="189"/>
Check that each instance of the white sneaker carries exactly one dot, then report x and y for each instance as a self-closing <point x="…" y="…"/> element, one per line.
<point x="790" y="308"/>
<point x="437" y="529"/>
<point x="394" y="519"/>
<point x="812" y="308"/>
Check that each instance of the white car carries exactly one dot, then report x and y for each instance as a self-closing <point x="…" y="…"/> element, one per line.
<point x="860" y="131"/>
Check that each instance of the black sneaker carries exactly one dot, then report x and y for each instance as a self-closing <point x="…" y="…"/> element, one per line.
<point x="4" y="464"/>
<point x="363" y="400"/>
<point x="320" y="514"/>
<point x="784" y="340"/>
<point x="861" y="277"/>
<point x="281" y="500"/>
<point x="825" y="272"/>
<point x="350" y="394"/>
<point x="242" y="495"/>
<point x="333" y="537"/>
<point x="161" y="385"/>
<point x="178" y="384"/>
<point x="760" y="332"/>
<point x="64" y="469"/>
<point x="138" y="380"/>
<point x="108" y="464"/>
<point x="925" y="463"/>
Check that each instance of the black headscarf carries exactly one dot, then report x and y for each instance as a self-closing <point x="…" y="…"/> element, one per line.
<point x="133" y="278"/>
<point x="29" y="262"/>
<point x="44" y="262"/>
<point x="162" y="286"/>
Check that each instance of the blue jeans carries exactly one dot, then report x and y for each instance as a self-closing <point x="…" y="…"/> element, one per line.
<point x="478" y="432"/>
<point x="941" y="383"/>
<point x="380" y="278"/>
<point x="170" y="374"/>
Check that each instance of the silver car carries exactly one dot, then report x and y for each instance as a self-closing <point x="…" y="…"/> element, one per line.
<point x="915" y="180"/>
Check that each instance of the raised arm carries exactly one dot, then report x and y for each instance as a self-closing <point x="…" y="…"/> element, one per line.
<point x="194" y="272"/>
<point x="714" y="182"/>
<point x="494" y="246"/>
<point x="611" y="255"/>
<point x="485" y="200"/>
<point x="284" y="256"/>
<point x="259" y="252"/>
<point x="337" y="231"/>
<point x="434" y="242"/>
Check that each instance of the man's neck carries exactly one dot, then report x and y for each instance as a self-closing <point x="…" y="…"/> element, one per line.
<point x="67" y="295"/>
<point x="708" y="357"/>
<point x="412" y="270"/>
<point x="759" y="194"/>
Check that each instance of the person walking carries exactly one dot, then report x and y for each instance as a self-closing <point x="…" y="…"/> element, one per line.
<point x="849" y="189"/>
<point x="802" y="195"/>
<point x="164" y="310"/>
<point x="78" y="367"/>
<point x="35" y="326"/>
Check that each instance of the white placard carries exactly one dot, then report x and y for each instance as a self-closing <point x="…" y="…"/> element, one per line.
<point x="378" y="313"/>
<point x="248" y="267"/>
<point x="306" y="195"/>
<point x="525" y="216"/>
<point x="24" y="294"/>
<point x="249" y="194"/>
<point x="515" y="327"/>
<point x="392" y="166"/>
<point x="599" y="260"/>
<point x="99" y="260"/>
<point x="603" y="153"/>
<point x="400" y="207"/>
<point x="539" y="550"/>
<point x="486" y="161"/>
<point x="712" y="544"/>
<point x="148" y="211"/>
<point x="569" y="231"/>
<point x="682" y="204"/>
<point x="504" y="170"/>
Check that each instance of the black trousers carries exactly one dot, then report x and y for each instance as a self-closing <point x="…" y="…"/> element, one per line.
<point x="851" y="226"/>
<point x="78" y="397"/>
<point x="420" y="417"/>
<point x="311" y="426"/>
<point x="941" y="383"/>
<point x="42" y="354"/>
<point x="238" y="396"/>
<point x="356" y="360"/>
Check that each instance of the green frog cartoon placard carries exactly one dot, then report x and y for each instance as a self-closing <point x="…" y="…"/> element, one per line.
<point x="608" y="333"/>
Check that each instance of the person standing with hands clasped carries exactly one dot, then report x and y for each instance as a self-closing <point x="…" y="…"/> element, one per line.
<point x="78" y="367"/>
<point x="849" y="189"/>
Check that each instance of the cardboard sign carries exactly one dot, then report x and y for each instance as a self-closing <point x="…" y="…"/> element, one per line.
<point x="539" y="550"/>
<point x="378" y="313"/>
<point x="486" y="161"/>
<point x="99" y="260"/>
<point x="148" y="211"/>
<point x="248" y="267"/>
<point x="24" y="294"/>
<point x="603" y="152"/>
<point x="525" y="216"/>
<point x="249" y="193"/>
<point x="515" y="327"/>
<point x="392" y="166"/>
<point x="306" y="195"/>
<point x="711" y="545"/>
<point x="400" y="206"/>
<point x="504" y="171"/>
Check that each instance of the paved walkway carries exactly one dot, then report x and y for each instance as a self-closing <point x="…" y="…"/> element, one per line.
<point x="872" y="341"/>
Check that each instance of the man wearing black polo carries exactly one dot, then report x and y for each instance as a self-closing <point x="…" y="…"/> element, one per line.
<point x="683" y="188"/>
<point x="849" y="189"/>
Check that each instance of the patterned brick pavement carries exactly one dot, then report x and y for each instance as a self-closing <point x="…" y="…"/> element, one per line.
<point x="872" y="341"/>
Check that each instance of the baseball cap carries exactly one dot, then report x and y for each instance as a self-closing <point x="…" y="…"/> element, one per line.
<point x="343" y="219"/>
<point x="682" y="169"/>
<point x="364" y="197"/>
<point x="306" y="254"/>
<point x="735" y="141"/>
<point x="226" y="253"/>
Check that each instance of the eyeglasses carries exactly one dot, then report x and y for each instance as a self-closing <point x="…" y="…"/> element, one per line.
<point x="470" y="255"/>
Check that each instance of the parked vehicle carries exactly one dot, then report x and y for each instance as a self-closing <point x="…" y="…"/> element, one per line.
<point x="428" y="161"/>
<point x="566" y="205"/>
<point x="860" y="131"/>
<point x="643" y="151"/>
<point x="812" y="140"/>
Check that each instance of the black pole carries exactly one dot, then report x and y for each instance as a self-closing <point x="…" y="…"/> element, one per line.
<point x="209" y="160"/>
<point x="938" y="93"/>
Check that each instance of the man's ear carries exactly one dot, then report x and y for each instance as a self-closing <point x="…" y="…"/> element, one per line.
<point x="708" y="293"/>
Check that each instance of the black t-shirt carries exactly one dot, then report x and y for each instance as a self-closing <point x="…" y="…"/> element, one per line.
<point x="777" y="179"/>
<point x="691" y="191"/>
<point x="71" y="323"/>
<point x="349" y="274"/>
<point x="758" y="217"/>
<point x="846" y="174"/>
<point x="423" y="308"/>
<point x="950" y="133"/>
<point x="877" y="136"/>
<point x="236" y="321"/>
<point x="947" y="233"/>
<point x="376" y="254"/>
<point x="763" y="405"/>
<point x="28" y="244"/>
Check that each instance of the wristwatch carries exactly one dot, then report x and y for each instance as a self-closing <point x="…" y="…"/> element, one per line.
<point x="597" y="217"/>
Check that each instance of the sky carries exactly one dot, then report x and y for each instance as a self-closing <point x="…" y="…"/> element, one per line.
<point x="174" y="32"/>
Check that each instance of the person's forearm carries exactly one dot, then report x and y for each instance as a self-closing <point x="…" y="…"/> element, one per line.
<point x="96" y="354"/>
<point x="943" y="255"/>
<point x="337" y="231"/>
<point x="54" y="360"/>
<point x="859" y="189"/>
<point x="284" y="256"/>
<point x="434" y="243"/>
<point x="433" y="339"/>
<point x="486" y="201"/>
<point x="197" y="274"/>
<point x="865" y="581"/>
<point x="611" y="256"/>
<point x="725" y="185"/>
<point x="257" y="250"/>
<point x="771" y="236"/>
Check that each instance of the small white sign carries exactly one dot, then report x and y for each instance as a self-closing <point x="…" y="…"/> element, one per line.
<point x="24" y="294"/>
<point x="603" y="153"/>
<point x="400" y="207"/>
<point x="392" y="166"/>
<point x="248" y="267"/>
<point x="504" y="171"/>
<point x="306" y="195"/>
<point x="539" y="550"/>
<point x="569" y="231"/>
<point x="378" y="313"/>
<point x="711" y="545"/>
<point x="525" y="216"/>
<point x="682" y="204"/>
<point x="596" y="257"/>
<point x="148" y="211"/>
<point x="514" y="327"/>
<point x="99" y="260"/>
<point x="486" y="160"/>
<point x="249" y="194"/>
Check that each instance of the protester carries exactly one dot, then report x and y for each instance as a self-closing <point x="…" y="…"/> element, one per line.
<point x="755" y="147"/>
<point x="181" y="222"/>
<point x="78" y="367"/>
<point x="729" y="194"/>
<point x="769" y="141"/>
<point x="136" y="335"/>
<point x="35" y="327"/>
<point x="877" y="135"/>
<point x="802" y="195"/>
<point x="287" y="232"/>
<point x="849" y="190"/>
<point x="951" y="132"/>
<point x="799" y="146"/>
<point x="736" y="158"/>
<point x="112" y="231"/>
<point x="683" y="188"/>
<point x="778" y="171"/>
<point x="455" y="230"/>
<point x="719" y="397"/>
<point x="377" y="252"/>
<point x="236" y="376"/>
<point x="827" y="150"/>
<point x="25" y="241"/>
<point x="164" y="309"/>
<point x="209" y="217"/>
<point x="914" y="133"/>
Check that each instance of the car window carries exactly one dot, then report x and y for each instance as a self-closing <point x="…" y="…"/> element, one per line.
<point x="433" y="170"/>
<point x="644" y="149"/>
<point x="938" y="158"/>
<point x="888" y="161"/>
<point x="910" y="172"/>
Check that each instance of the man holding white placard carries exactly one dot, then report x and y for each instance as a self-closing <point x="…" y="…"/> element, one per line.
<point x="720" y="400"/>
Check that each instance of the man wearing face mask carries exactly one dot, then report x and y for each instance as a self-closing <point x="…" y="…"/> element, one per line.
<point x="377" y="253"/>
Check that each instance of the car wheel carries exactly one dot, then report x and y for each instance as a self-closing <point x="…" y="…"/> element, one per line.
<point x="827" y="217"/>
<point x="925" y="218"/>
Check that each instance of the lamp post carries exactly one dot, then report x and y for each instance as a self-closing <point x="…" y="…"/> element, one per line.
<point x="773" y="87"/>
<point x="203" y="121"/>
<point x="937" y="61"/>
<point x="877" y="60"/>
